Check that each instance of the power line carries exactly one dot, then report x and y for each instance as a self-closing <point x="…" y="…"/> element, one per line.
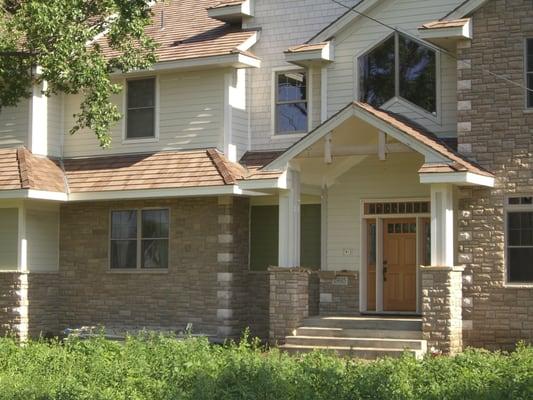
<point x="436" y="48"/>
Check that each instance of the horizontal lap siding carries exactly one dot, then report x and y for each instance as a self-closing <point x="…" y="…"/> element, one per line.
<point x="14" y="124"/>
<point x="284" y="24"/>
<point x="55" y="125"/>
<point x="371" y="179"/>
<point x="8" y="239"/>
<point x="362" y="35"/>
<point x="190" y="117"/>
<point x="42" y="227"/>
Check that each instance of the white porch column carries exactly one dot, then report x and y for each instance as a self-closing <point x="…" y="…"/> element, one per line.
<point x="442" y="225"/>
<point x="289" y="222"/>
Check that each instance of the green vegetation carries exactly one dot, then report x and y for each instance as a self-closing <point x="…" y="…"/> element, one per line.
<point x="161" y="368"/>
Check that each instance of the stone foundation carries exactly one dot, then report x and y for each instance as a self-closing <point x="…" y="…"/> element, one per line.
<point x="442" y="308"/>
<point x="258" y="304"/>
<point x="339" y="293"/>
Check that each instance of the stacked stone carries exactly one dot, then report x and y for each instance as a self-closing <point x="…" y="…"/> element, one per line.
<point x="289" y="301"/>
<point x="442" y="308"/>
<point x="339" y="293"/>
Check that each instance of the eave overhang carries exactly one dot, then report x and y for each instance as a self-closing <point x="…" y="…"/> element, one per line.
<point x="231" y="11"/>
<point x="446" y="33"/>
<point x="310" y="54"/>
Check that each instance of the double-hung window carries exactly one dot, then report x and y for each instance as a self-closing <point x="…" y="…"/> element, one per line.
<point x="140" y="115"/>
<point x="291" y="102"/>
<point x="529" y="72"/>
<point x="399" y="67"/>
<point x="139" y="239"/>
<point x="519" y="240"/>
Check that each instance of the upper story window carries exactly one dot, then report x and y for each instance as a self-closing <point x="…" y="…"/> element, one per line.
<point x="519" y="239"/>
<point x="291" y="102"/>
<point x="529" y="72"/>
<point x="140" y="117"/>
<point x="399" y="67"/>
<point x="139" y="239"/>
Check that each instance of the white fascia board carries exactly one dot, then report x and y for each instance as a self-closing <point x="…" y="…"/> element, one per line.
<point x="33" y="194"/>
<point x="465" y="9"/>
<point x="236" y="60"/>
<point x="321" y="56"/>
<point x="345" y="20"/>
<point x="458" y="178"/>
<point x="156" y="193"/>
<point x="231" y="13"/>
<point x="457" y="32"/>
<point x="248" y="43"/>
<point x="265" y="184"/>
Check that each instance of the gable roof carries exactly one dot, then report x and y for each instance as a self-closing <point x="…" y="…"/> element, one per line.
<point x="183" y="31"/>
<point x="392" y="124"/>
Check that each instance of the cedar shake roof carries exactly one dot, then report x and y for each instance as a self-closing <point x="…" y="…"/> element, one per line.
<point x="456" y="23"/>
<point x="226" y="3"/>
<point x="20" y="169"/>
<point x="189" y="33"/>
<point x="459" y="163"/>
<point x="306" y="47"/>
<point x="164" y="170"/>
<point x="254" y="161"/>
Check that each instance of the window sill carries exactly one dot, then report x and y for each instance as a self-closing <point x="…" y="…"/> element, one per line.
<point x="528" y="110"/>
<point x="138" y="271"/>
<point x="518" y="285"/>
<point x="137" y="141"/>
<point x="279" y="136"/>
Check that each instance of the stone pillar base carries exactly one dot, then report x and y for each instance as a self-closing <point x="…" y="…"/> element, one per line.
<point x="442" y="297"/>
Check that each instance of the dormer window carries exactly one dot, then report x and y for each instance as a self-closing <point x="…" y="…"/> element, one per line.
<point x="399" y="67"/>
<point x="291" y="102"/>
<point x="140" y="116"/>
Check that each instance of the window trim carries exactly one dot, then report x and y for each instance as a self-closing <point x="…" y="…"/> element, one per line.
<point x="435" y="117"/>
<point x="507" y="208"/>
<point x="309" y="88"/>
<point x="155" y="138"/>
<point x="139" y="239"/>
<point x="528" y="107"/>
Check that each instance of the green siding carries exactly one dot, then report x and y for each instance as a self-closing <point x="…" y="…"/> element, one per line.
<point x="264" y="237"/>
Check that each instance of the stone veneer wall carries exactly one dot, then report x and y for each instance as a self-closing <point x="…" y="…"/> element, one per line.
<point x="339" y="293"/>
<point x="11" y="319"/>
<point x="258" y="304"/>
<point x="495" y="130"/>
<point x="43" y="304"/>
<point x="204" y="284"/>
<point x="442" y="308"/>
<point x="289" y="301"/>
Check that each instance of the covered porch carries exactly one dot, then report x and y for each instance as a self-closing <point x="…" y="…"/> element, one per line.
<point x="387" y="194"/>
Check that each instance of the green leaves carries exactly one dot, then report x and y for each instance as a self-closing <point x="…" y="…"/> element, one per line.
<point x="158" y="367"/>
<point x="56" y="43"/>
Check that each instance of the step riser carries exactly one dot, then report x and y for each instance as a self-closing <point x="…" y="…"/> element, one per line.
<point x="359" y="333"/>
<point x="361" y="354"/>
<point x="368" y="343"/>
<point x="382" y="325"/>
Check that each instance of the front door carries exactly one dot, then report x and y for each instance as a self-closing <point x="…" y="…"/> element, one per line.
<point x="399" y="264"/>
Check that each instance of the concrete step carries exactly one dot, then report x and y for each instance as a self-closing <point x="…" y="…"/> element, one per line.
<point x="359" y="333"/>
<point x="353" y="352"/>
<point x="355" y="342"/>
<point x="366" y="322"/>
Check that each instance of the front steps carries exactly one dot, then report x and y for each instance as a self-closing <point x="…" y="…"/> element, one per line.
<point x="359" y="337"/>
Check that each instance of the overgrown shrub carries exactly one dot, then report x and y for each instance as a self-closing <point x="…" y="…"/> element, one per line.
<point x="162" y="368"/>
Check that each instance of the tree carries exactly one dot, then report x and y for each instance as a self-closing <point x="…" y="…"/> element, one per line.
<point x="55" y="41"/>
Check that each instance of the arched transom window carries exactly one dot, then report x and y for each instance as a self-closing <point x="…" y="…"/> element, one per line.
<point x="399" y="67"/>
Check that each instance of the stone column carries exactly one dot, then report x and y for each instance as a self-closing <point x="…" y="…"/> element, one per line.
<point x="232" y="260"/>
<point x="442" y="297"/>
<point x="289" y="301"/>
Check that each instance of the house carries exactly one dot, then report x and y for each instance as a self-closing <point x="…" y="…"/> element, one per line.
<point x="356" y="177"/>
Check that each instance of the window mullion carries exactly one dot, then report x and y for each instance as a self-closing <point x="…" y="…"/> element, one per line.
<point x="397" y="64"/>
<point x="139" y="238"/>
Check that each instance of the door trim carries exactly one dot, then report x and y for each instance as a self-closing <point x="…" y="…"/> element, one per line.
<point x="363" y="258"/>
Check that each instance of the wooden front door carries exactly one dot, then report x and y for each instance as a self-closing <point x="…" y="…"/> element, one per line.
<point x="399" y="264"/>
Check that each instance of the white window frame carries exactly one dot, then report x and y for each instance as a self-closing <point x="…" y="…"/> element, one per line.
<point x="151" y="139"/>
<point x="309" y="87"/>
<point x="529" y="107"/>
<point x="139" y="239"/>
<point x="435" y="117"/>
<point x="508" y="208"/>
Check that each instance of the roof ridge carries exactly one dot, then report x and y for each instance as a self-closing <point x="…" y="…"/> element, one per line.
<point x="26" y="178"/>
<point x="221" y="166"/>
